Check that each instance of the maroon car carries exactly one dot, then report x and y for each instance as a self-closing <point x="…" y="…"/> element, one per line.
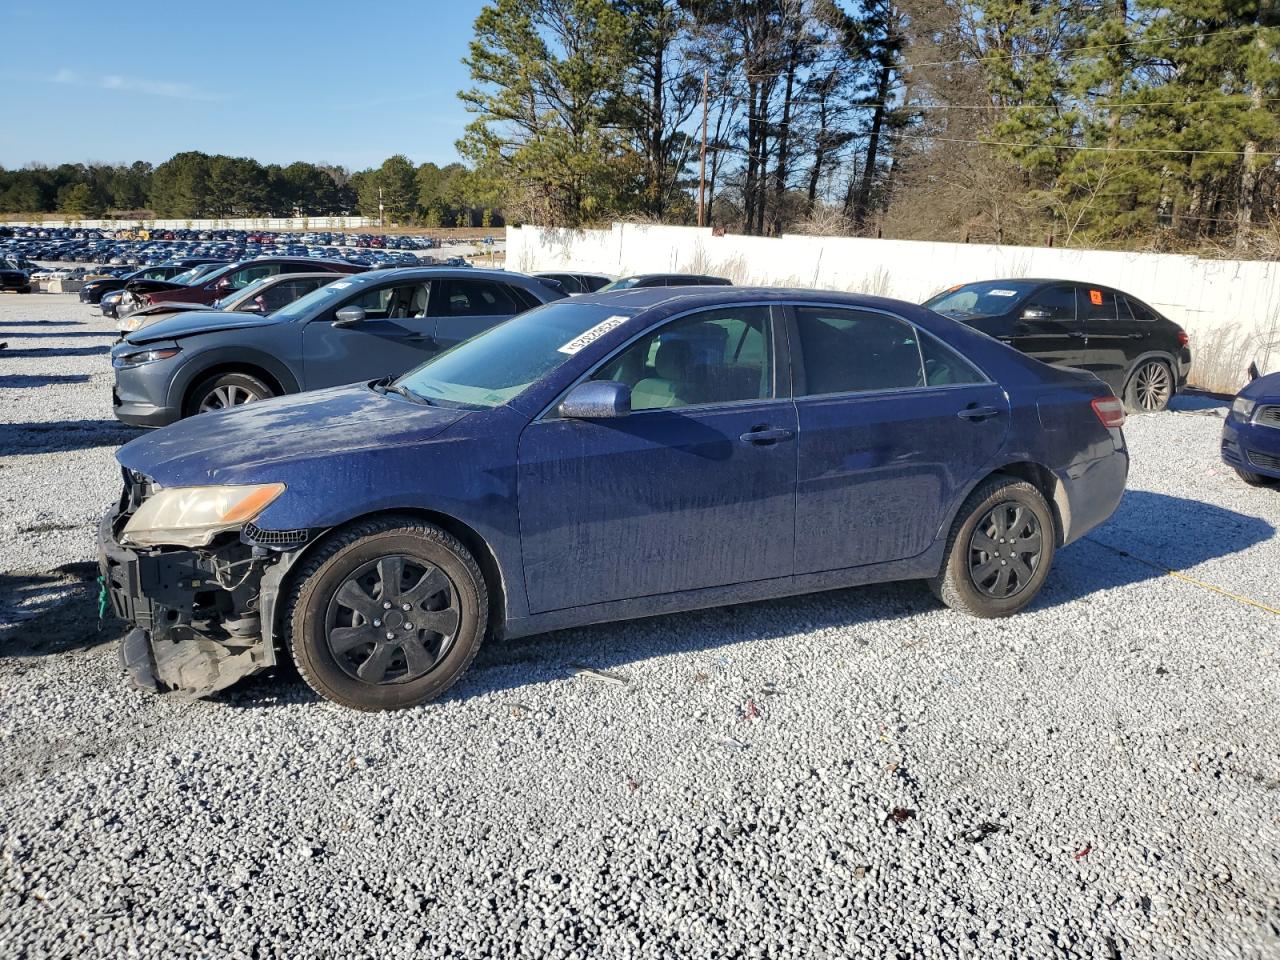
<point x="229" y="279"/>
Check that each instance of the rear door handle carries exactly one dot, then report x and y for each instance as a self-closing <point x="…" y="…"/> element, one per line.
<point x="977" y="413"/>
<point x="764" y="435"/>
<point x="1077" y="335"/>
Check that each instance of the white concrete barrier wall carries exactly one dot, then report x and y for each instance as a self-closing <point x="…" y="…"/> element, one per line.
<point x="1230" y="308"/>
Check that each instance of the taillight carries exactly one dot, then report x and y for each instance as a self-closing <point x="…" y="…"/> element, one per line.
<point x="1183" y="339"/>
<point x="1110" y="411"/>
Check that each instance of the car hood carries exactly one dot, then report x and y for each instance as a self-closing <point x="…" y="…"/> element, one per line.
<point x="190" y="322"/>
<point x="220" y="447"/>
<point x="1264" y="389"/>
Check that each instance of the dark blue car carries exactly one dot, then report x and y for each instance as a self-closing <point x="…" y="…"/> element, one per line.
<point x="611" y="456"/>
<point x="1251" y="433"/>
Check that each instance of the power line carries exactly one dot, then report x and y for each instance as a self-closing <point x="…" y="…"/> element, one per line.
<point x="1067" y="146"/>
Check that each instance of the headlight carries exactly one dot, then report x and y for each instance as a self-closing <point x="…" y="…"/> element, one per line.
<point x="1242" y="407"/>
<point x="145" y="356"/>
<point x="192" y="516"/>
<point x="131" y="323"/>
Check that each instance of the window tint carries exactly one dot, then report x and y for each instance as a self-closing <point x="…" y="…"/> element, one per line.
<point x="848" y="350"/>
<point x="399" y="302"/>
<point x="592" y="284"/>
<point x="943" y="366"/>
<point x="716" y="356"/>
<point x="281" y="294"/>
<point x="1098" y="304"/>
<point x="1139" y="310"/>
<point x="1059" y="301"/>
<point x="479" y="298"/>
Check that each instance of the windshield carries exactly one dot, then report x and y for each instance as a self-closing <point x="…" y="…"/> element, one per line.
<point x="987" y="299"/>
<point x="621" y="284"/>
<point x="318" y="298"/>
<point x="188" y="277"/>
<point x="492" y="367"/>
<point x="8" y="264"/>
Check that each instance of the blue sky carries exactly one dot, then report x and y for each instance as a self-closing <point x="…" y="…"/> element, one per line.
<point x="279" y="80"/>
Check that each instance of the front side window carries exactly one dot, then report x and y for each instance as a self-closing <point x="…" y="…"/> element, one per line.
<point x="852" y="351"/>
<point x="1059" y="302"/>
<point x="715" y="356"/>
<point x="407" y="300"/>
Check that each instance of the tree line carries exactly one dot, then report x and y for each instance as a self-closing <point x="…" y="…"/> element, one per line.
<point x="198" y="185"/>
<point x="1105" y="123"/>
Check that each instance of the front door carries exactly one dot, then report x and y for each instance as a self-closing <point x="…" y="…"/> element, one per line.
<point x="394" y="337"/>
<point x="893" y="425"/>
<point x="1050" y="327"/>
<point x="695" y="488"/>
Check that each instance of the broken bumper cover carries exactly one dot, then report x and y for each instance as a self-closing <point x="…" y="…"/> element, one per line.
<point x="194" y="618"/>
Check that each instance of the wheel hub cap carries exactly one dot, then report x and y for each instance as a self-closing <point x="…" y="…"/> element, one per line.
<point x="392" y="620"/>
<point x="1005" y="550"/>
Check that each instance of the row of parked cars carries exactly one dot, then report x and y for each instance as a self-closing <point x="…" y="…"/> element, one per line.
<point x="475" y="454"/>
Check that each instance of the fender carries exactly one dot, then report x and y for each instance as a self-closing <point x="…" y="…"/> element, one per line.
<point x="1164" y="355"/>
<point x="238" y="355"/>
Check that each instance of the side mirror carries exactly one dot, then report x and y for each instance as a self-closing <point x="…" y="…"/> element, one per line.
<point x="596" y="400"/>
<point x="1036" y="313"/>
<point x="348" y="317"/>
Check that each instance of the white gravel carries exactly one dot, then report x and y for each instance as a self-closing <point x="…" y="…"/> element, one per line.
<point x="859" y="773"/>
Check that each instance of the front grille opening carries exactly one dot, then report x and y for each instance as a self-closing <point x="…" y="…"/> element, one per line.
<point x="1268" y="416"/>
<point x="1264" y="460"/>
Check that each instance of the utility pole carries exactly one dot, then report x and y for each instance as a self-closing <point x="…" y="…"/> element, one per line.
<point x="702" y="161"/>
<point x="381" y="220"/>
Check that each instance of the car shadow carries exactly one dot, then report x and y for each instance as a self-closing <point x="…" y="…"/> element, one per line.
<point x="43" y="614"/>
<point x="60" y="436"/>
<point x="20" y="380"/>
<point x="5" y="324"/>
<point x="29" y="334"/>
<point x="1196" y="402"/>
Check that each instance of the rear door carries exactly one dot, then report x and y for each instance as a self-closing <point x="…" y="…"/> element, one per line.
<point x="463" y="307"/>
<point x="1114" y="337"/>
<point x="893" y="424"/>
<point x="1049" y="326"/>
<point x="395" y="336"/>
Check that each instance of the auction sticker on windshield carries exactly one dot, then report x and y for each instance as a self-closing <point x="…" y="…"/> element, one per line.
<point x="1002" y="293"/>
<point x="592" y="335"/>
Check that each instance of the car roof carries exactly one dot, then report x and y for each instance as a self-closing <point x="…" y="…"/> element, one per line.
<point x="693" y="297"/>
<point x="426" y="272"/>
<point x="682" y="276"/>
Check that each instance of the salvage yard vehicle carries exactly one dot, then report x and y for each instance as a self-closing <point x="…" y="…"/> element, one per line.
<point x="356" y="328"/>
<point x="575" y="283"/>
<point x="14" y="277"/>
<point x="229" y="279"/>
<point x="263" y="297"/>
<point x="1143" y="356"/>
<point x="94" y="290"/>
<point x="600" y="458"/>
<point x="1251" y="432"/>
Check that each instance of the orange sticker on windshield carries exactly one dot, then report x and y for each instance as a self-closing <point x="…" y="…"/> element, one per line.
<point x="1095" y="297"/>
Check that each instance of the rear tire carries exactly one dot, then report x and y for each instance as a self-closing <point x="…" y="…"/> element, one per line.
<point x="1150" y="387"/>
<point x="226" y="390"/>
<point x="999" y="551"/>
<point x="1254" y="479"/>
<point x="382" y="659"/>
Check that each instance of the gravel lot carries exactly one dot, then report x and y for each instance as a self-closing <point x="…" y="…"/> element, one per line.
<point x="859" y="773"/>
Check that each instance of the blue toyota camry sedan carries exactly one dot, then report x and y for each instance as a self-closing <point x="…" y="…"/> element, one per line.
<point x="1251" y="432"/>
<point x="612" y="456"/>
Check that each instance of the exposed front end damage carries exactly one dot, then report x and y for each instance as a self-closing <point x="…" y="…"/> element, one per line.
<point x="196" y="614"/>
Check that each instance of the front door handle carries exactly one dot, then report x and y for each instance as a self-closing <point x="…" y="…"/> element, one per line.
<point x="977" y="413"/>
<point x="1077" y="335"/>
<point x="764" y="435"/>
<point x="426" y="338"/>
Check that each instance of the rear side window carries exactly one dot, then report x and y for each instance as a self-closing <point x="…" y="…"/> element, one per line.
<point x="247" y="275"/>
<point x="479" y="298"/>
<point x="851" y="351"/>
<point x="1140" y="310"/>
<point x="943" y="367"/>
<point x="1098" y="305"/>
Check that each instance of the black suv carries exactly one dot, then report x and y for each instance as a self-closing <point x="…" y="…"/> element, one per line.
<point x="1143" y="356"/>
<point x="13" y="276"/>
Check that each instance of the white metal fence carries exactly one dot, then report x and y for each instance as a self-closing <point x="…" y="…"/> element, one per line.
<point x="1231" y="308"/>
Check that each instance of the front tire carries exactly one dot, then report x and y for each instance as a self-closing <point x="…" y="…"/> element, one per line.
<point x="386" y="614"/>
<point x="1150" y="387"/>
<point x="226" y="390"/>
<point x="999" y="550"/>
<point x="1254" y="479"/>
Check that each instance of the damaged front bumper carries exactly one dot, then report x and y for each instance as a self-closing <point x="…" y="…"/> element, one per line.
<point x="197" y="615"/>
